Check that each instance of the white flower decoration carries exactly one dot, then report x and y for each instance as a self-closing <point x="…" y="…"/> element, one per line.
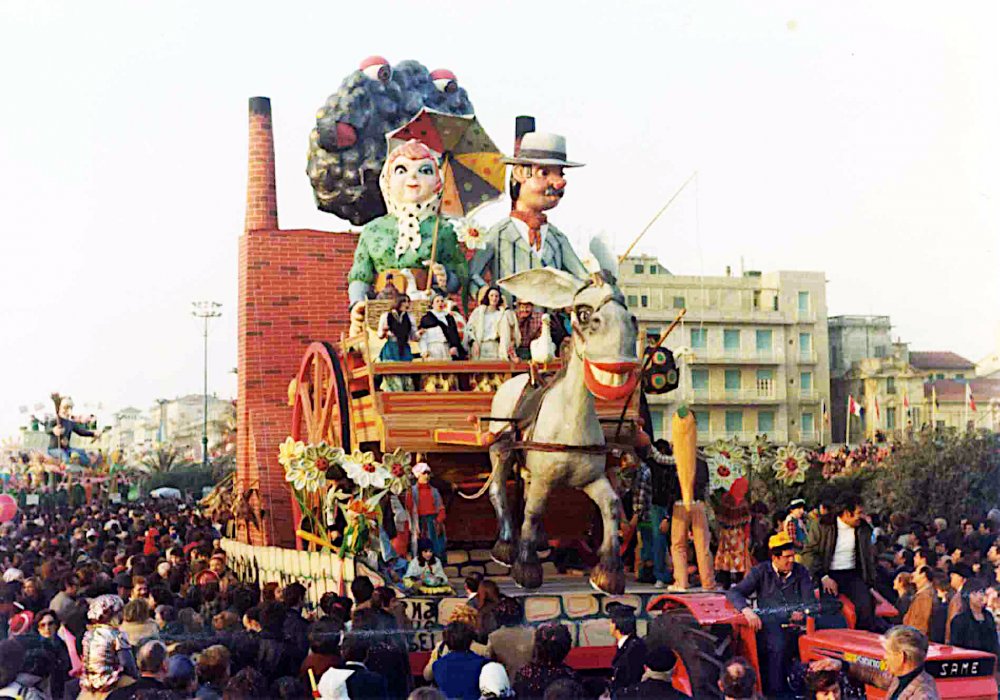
<point x="305" y="477"/>
<point x="290" y="452"/>
<point x="726" y="462"/>
<point x="364" y="471"/>
<point x="469" y="233"/>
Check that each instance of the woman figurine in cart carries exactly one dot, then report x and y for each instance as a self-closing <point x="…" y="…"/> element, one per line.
<point x="425" y="573"/>
<point x="440" y="338"/>
<point x="492" y="329"/>
<point x="426" y="509"/>
<point x="397" y="328"/>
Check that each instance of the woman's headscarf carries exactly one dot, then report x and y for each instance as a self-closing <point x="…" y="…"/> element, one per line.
<point x="494" y="682"/>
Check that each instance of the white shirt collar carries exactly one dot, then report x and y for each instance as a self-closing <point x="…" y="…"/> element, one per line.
<point x="522" y="228"/>
<point x="621" y="642"/>
<point x="841" y="525"/>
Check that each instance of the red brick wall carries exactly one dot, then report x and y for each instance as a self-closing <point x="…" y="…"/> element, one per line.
<point x="262" y="194"/>
<point x="292" y="291"/>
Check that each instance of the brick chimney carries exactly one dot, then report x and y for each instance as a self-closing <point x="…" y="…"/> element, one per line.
<point x="262" y="196"/>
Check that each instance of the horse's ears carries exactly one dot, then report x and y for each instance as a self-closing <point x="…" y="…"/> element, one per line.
<point x="544" y="286"/>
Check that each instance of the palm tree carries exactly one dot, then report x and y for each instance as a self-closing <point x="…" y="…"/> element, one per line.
<point x="160" y="459"/>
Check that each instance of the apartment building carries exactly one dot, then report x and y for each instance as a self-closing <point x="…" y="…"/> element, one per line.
<point x="755" y="349"/>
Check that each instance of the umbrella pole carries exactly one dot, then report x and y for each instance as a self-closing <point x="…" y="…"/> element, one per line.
<point x="437" y="224"/>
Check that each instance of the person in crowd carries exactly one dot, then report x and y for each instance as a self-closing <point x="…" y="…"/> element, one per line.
<point x="353" y="679"/>
<point x="921" y="608"/>
<point x="48" y="639"/>
<point x="487" y="600"/>
<point x="137" y="625"/>
<point x="552" y="645"/>
<point x="513" y="643"/>
<point x="472" y="582"/>
<point x="64" y="601"/>
<point x="181" y="676"/>
<point x="906" y="589"/>
<point x="904" y="677"/>
<point x="108" y="660"/>
<point x="939" y="614"/>
<point x="824" y="684"/>
<point x="213" y="667"/>
<point x="795" y="524"/>
<point x="457" y="672"/>
<point x="974" y="627"/>
<point x="738" y="680"/>
<point x="630" y="657"/>
<point x="665" y="491"/>
<point x="657" y="681"/>
<point x="784" y="595"/>
<point x="152" y="662"/>
<point x="840" y="556"/>
<point x="324" y="648"/>
<point x="248" y="684"/>
<point x="959" y="576"/>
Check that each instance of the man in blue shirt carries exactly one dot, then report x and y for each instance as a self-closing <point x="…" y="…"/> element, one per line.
<point x="784" y="592"/>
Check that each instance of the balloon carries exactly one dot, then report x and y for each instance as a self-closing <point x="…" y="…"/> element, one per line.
<point x="8" y="507"/>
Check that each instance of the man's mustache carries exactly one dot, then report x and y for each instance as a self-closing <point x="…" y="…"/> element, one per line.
<point x="554" y="191"/>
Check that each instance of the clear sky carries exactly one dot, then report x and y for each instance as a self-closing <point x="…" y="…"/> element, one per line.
<point x="856" y="138"/>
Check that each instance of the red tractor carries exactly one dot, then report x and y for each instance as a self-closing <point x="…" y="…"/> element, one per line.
<point x="706" y="630"/>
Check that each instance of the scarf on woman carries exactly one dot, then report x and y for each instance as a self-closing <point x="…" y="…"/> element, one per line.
<point x="446" y="322"/>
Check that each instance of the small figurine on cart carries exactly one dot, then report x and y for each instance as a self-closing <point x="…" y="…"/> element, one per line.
<point x="425" y="574"/>
<point x="397" y="328"/>
<point x="426" y="509"/>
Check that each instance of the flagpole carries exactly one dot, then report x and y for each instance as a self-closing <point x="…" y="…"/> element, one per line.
<point x="933" y="407"/>
<point x="965" y="412"/>
<point x="847" y="434"/>
<point x="822" y="419"/>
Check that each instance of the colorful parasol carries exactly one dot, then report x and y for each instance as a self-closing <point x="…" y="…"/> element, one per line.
<point x="472" y="166"/>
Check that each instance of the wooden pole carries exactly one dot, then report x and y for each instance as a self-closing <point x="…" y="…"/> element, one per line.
<point x="652" y="221"/>
<point x="645" y="365"/>
<point x="437" y="225"/>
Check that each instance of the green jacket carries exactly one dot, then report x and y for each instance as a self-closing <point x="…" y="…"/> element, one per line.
<point x="376" y="252"/>
<point x="818" y="553"/>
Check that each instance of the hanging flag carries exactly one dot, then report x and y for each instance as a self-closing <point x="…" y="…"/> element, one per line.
<point x="906" y="402"/>
<point x="824" y="412"/>
<point x="853" y="406"/>
<point x="970" y="400"/>
<point x="934" y="400"/>
<point x="878" y="416"/>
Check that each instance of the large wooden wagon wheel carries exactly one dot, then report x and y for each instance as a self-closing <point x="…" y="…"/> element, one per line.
<point x="321" y="410"/>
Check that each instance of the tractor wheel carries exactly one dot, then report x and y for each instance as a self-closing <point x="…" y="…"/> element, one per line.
<point x="704" y="653"/>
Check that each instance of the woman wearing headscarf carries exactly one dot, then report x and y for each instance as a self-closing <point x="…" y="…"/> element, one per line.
<point x="108" y="661"/>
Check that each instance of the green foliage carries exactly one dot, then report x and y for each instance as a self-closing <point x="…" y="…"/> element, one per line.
<point x="942" y="474"/>
<point x="766" y="487"/>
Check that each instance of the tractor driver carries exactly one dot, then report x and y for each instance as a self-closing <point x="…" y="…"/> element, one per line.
<point x="784" y="590"/>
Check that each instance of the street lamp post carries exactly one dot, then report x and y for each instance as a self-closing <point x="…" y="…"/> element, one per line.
<point x="205" y="310"/>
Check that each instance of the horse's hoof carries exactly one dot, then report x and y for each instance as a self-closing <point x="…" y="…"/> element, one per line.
<point x="608" y="579"/>
<point x="529" y="575"/>
<point x="504" y="553"/>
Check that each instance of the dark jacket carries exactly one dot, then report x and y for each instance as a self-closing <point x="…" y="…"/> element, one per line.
<point x="774" y="593"/>
<point x="69" y="427"/>
<point x="818" y="553"/>
<point x="652" y="689"/>
<point x="969" y="633"/>
<point x="628" y="664"/>
<point x="364" y="684"/>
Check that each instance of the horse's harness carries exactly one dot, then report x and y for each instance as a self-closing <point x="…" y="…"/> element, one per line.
<point x="582" y="314"/>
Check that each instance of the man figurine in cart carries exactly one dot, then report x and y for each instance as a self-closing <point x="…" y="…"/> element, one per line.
<point x="526" y="240"/>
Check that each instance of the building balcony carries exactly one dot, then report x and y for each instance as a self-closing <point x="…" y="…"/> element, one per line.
<point x="808" y="395"/>
<point x="742" y="436"/>
<point x="740" y="396"/>
<point x="806" y="357"/>
<point x="808" y="436"/>
<point x="719" y="356"/>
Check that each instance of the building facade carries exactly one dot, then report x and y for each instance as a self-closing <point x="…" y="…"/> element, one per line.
<point x="752" y="350"/>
